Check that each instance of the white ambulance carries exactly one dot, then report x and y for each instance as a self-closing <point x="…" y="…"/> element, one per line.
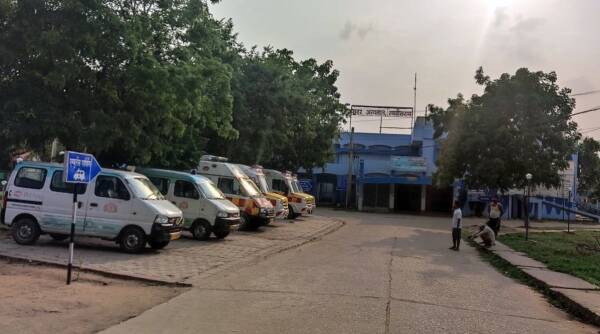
<point x="280" y="202"/>
<point x="205" y="209"/>
<point x="256" y="210"/>
<point x="283" y="183"/>
<point x="117" y="205"/>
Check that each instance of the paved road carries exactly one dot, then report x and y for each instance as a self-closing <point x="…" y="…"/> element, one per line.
<point x="378" y="274"/>
<point x="183" y="261"/>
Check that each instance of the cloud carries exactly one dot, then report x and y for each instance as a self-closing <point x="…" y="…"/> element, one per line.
<point x="500" y="16"/>
<point x="346" y="32"/>
<point x="365" y="30"/>
<point x="525" y="26"/>
<point x="361" y="30"/>
<point x="517" y="37"/>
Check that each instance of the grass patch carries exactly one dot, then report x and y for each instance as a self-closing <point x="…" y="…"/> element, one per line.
<point x="563" y="252"/>
<point x="512" y="271"/>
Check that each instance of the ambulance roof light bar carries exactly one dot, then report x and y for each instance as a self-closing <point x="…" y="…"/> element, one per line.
<point x="213" y="158"/>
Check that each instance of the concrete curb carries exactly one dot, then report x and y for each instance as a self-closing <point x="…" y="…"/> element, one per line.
<point x="571" y="305"/>
<point x="294" y="243"/>
<point x="104" y="273"/>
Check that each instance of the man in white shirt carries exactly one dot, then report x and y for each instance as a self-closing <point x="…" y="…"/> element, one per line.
<point x="486" y="234"/>
<point x="456" y="226"/>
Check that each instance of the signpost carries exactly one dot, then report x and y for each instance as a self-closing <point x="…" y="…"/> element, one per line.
<point x="381" y="112"/>
<point x="79" y="168"/>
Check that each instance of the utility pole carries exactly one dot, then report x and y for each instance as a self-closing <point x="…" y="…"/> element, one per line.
<point x="569" y="213"/>
<point x="412" y="123"/>
<point x="350" y="127"/>
<point x="380" y="122"/>
<point x="350" y="169"/>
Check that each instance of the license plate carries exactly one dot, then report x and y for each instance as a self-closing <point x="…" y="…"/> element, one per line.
<point x="175" y="236"/>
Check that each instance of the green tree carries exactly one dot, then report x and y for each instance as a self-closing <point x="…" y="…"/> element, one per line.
<point x="520" y="124"/>
<point x="287" y="112"/>
<point x="589" y="168"/>
<point x="135" y="81"/>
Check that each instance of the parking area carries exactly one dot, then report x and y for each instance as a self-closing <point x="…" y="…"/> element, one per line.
<point x="183" y="261"/>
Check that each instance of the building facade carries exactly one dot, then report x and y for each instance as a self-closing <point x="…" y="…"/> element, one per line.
<point x="390" y="172"/>
<point x="394" y="172"/>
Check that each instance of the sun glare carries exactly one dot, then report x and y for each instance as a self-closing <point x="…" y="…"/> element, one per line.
<point x="499" y="3"/>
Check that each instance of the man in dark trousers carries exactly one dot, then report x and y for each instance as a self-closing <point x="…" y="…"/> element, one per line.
<point x="495" y="212"/>
<point x="456" y="225"/>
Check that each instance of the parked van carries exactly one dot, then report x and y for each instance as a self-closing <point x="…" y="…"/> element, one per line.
<point x="205" y="208"/>
<point x="283" y="183"/>
<point x="255" y="209"/>
<point x="117" y="205"/>
<point x="311" y="204"/>
<point x="280" y="202"/>
<point x="3" y="184"/>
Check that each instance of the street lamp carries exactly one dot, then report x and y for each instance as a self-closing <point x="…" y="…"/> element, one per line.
<point x="528" y="178"/>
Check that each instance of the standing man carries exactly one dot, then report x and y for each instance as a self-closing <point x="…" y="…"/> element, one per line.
<point x="495" y="212"/>
<point x="456" y="226"/>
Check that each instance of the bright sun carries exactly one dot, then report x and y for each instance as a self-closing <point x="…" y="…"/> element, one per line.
<point x="499" y="3"/>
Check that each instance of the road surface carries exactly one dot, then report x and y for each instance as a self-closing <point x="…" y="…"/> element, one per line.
<point x="378" y="274"/>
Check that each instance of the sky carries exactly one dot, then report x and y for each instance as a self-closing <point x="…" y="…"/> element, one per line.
<point x="379" y="45"/>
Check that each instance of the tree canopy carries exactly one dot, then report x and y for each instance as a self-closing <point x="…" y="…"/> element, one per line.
<point x="152" y="82"/>
<point x="589" y="168"/>
<point x="287" y="112"/>
<point x="520" y="124"/>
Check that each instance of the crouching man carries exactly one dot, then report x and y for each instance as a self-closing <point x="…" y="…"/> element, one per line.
<point x="486" y="234"/>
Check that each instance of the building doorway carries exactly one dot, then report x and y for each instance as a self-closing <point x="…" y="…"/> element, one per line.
<point x="407" y="198"/>
<point x="439" y="200"/>
<point x="376" y="196"/>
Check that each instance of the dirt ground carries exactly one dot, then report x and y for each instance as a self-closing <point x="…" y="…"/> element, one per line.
<point x="35" y="299"/>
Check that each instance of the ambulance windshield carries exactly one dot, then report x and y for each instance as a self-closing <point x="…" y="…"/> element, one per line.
<point x="249" y="187"/>
<point x="210" y="191"/>
<point x="262" y="183"/>
<point x="296" y="186"/>
<point x="144" y="189"/>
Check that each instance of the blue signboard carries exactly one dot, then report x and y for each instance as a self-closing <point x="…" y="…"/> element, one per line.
<point x="408" y="164"/>
<point x="80" y="167"/>
<point x="306" y="185"/>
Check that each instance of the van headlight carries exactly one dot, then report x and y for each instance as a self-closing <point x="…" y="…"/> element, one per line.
<point x="162" y="220"/>
<point x="264" y="211"/>
<point x="222" y="214"/>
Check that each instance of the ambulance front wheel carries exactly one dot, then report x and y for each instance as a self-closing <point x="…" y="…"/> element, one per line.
<point x="132" y="240"/>
<point x="248" y="223"/>
<point x="201" y="230"/>
<point x="26" y="231"/>
<point x="292" y="214"/>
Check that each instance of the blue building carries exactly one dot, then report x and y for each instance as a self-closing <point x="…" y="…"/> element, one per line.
<point x="557" y="203"/>
<point x="391" y="172"/>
